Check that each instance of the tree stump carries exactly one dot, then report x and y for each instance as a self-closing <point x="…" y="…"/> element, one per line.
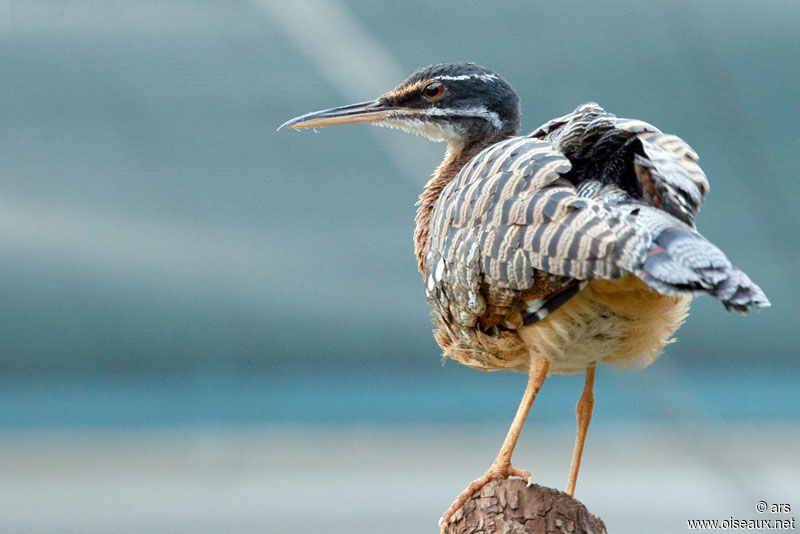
<point x="513" y="507"/>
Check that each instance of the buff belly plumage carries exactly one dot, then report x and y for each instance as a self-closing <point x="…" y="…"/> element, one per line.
<point x="623" y="322"/>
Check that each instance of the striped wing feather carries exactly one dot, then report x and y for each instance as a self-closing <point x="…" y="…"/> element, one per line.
<point x="515" y="229"/>
<point x="510" y="230"/>
<point x="670" y="175"/>
<point x="664" y="165"/>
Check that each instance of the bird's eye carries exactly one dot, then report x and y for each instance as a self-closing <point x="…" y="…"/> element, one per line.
<point x="433" y="91"/>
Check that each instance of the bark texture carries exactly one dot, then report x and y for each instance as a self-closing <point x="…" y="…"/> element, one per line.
<point x="511" y="507"/>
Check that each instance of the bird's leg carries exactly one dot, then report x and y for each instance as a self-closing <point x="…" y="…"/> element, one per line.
<point x="583" y="414"/>
<point x="501" y="467"/>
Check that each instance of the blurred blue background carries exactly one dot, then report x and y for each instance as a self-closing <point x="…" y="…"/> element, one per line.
<point x="202" y="317"/>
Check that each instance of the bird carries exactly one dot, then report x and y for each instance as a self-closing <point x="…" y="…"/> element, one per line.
<point x="550" y="252"/>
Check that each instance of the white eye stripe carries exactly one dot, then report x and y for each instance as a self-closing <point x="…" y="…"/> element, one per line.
<point x="484" y="77"/>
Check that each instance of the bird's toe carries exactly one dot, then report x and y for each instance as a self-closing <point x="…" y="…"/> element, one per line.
<point x="498" y="471"/>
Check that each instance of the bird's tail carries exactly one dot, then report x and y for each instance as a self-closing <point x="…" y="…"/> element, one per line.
<point x="681" y="260"/>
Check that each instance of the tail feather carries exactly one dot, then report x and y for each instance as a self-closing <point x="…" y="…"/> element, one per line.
<point x="737" y="291"/>
<point x="681" y="260"/>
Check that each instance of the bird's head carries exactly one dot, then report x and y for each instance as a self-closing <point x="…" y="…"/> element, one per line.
<point x="454" y="102"/>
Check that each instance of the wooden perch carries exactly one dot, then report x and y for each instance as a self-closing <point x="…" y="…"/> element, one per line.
<point x="512" y="507"/>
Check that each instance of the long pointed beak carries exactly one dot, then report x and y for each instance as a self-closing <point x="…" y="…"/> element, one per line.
<point x="372" y="111"/>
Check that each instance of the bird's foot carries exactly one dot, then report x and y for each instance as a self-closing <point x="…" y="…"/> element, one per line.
<point x="498" y="471"/>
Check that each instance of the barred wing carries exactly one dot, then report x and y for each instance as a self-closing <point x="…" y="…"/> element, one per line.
<point x="670" y="175"/>
<point x="510" y="232"/>
<point x="664" y="165"/>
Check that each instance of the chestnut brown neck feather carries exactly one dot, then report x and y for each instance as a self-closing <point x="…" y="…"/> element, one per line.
<point x="454" y="160"/>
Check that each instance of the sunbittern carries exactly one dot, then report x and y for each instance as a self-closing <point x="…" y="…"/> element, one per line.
<point x="551" y="252"/>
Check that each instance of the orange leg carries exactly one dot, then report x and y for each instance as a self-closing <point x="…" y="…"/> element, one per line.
<point x="583" y="414"/>
<point x="501" y="467"/>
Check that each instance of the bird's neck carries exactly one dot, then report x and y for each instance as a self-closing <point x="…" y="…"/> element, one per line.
<point x="455" y="158"/>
